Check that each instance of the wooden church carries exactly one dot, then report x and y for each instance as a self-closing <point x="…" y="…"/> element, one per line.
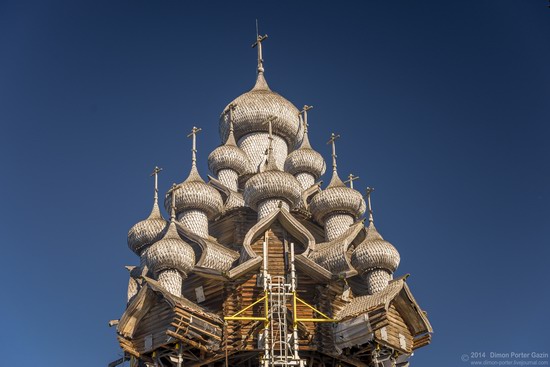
<point x="259" y="264"/>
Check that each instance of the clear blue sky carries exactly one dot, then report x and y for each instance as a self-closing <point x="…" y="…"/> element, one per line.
<point x="443" y="107"/>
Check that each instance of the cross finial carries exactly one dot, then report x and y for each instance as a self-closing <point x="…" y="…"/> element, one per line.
<point x="304" y="113"/>
<point x="351" y="178"/>
<point x="369" y="191"/>
<point x="230" y="109"/>
<point x="259" y="40"/>
<point x="155" y="173"/>
<point x="269" y="123"/>
<point x="194" y="131"/>
<point x="173" y="202"/>
<point x="332" y="141"/>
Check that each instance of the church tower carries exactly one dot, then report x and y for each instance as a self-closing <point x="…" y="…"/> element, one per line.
<point x="260" y="265"/>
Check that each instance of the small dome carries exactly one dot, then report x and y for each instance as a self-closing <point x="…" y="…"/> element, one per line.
<point x="255" y="107"/>
<point x="272" y="184"/>
<point x="337" y="198"/>
<point x="229" y="156"/>
<point x="194" y="193"/>
<point x="143" y="234"/>
<point x="171" y="252"/>
<point x="305" y="159"/>
<point x="375" y="253"/>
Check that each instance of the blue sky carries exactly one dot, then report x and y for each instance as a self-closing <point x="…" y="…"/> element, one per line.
<point x="443" y="107"/>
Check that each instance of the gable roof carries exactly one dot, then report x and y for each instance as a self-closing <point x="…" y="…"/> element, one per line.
<point x="397" y="293"/>
<point x="147" y="297"/>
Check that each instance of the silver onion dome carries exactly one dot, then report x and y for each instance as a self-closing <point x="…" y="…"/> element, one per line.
<point x="257" y="105"/>
<point x="194" y="193"/>
<point x="229" y="156"/>
<point x="272" y="184"/>
<point x="337" y="198"/>
<point x="375" y="253"/>
<point x="143" y="234"/>
<point x="305" y="159"/>
<point x="171" y="252"/>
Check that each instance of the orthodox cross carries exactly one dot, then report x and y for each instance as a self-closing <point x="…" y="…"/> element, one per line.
<point x="193" y="134"/>
<point x="258" y="43"/>
<point x="173" y="202"/>
<point x="155" y="173"/>
<point x="304" y="113"/>
<point x="351" y="178"/>
<point x="332" y="141"/>
<point x="269" y="153"/>
<point x="369" y="191"/>
<point x="270" y="129"/>
<point x="230" y="109"/>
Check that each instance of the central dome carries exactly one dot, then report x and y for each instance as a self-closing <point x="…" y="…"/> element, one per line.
<point x="254" y="107"/>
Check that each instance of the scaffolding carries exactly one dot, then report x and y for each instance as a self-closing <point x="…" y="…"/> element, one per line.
<point x="280" y="347"/>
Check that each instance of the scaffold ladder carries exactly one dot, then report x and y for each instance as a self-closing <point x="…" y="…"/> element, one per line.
<point x="279" y="345"/>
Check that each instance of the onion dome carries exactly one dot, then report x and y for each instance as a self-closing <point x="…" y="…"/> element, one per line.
<point x="229" y="156"/>
<point x="375" y="253"/>
<point x="258" y="104"/>
<point x="146" y="232"/>
<point x="337" y="198"/>
<point x="305" y="159"/>
<point x="150" y="230"/>
<point x="271" y="184"/>
<point x="171" y="252"/>
<point x="194" y="193"/>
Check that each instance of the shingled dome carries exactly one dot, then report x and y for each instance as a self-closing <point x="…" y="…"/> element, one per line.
<point x="229" y="156"/>
<point x="171" y="252"/>
<point x="375" y="253"/>
<point x="194" y="193"/>
<point x="272" y="184"/>
<point x="255" y="107"/>
<point x="337" y="198"/>
<point x="305" y="159"/>
<point x="143" y="234"/>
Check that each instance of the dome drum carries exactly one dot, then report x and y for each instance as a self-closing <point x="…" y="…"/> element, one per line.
<point x="336" y="224"/>
<point x="171" y="280"/>
<point x="270" y="205"/>
<point x="255" y="146"/>
<point x="377" y="280"/>
<point x="195" y="221"/>
<point x="229" y="178"/>
<point x="305" y="179"/>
